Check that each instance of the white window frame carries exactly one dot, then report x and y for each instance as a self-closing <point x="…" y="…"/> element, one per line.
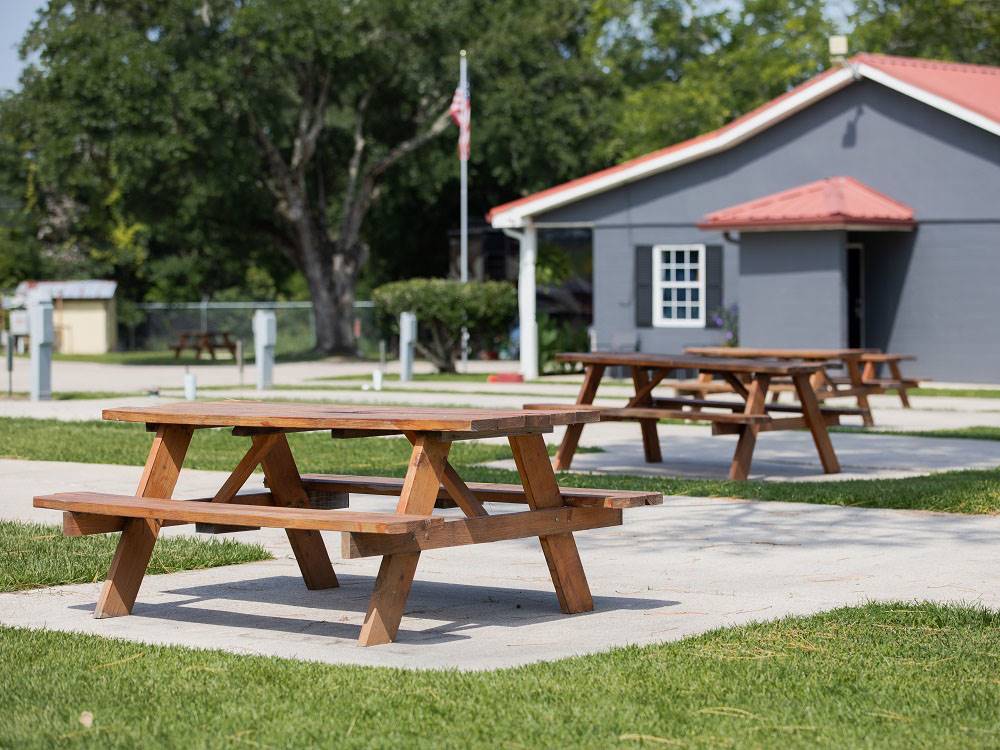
<point x="659" y="321"/>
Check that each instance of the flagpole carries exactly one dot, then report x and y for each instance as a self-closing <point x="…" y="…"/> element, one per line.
<point x="463" y="83"/>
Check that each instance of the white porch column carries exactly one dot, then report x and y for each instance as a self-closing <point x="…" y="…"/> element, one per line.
<point x="526" y="302"/>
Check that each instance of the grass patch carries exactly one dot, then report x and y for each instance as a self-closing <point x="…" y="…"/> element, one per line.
<point x="126" y="443"/>
<point x="166" y="357"/>
<point x="981" y="432"/>
<point x="970" y="491"/>
<point x="34" y="555"/>
<point x="432" y="377"/>
<point x="953" y="392"/>
<point x="881" y="675"/>
<point x="76" y="395"/>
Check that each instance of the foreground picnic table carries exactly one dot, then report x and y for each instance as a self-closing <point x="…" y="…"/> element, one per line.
<point x="295" y="502"/>
<point x="825" y="385"/>
<point x="749" y="379"/>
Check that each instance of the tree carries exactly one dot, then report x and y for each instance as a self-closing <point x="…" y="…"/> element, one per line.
<point x="181" y="141"/>
<point x="717" y="66"/>
<point x="960" y="30"/>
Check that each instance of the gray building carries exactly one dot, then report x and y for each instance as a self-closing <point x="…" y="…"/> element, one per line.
<point x="861" y="208"/>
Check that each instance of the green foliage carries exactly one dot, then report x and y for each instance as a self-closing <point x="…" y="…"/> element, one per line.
<point x="555" y="336"/>
<point x="443" y="307"/>
<point x="960" y="30"/>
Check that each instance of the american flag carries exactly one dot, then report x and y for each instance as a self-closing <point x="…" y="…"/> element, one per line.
<point x="461" y="114"/>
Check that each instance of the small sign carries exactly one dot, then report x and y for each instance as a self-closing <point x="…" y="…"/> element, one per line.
<point x="19" y="322"/>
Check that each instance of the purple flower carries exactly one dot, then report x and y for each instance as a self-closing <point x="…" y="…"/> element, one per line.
<point x="729" y="335"/>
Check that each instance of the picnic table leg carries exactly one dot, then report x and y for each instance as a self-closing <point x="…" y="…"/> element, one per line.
<point x="135" y="547"/>
<point x="854" y="370"/>
<point x="756" y="404"/>
<point x="897" y="374"/>
<point x="286" y="490"/>
<point x="650" y="439"/>
<point x="814" y="418"/>
<point x="560" y="550"/>
<point x="571" y="438"/>
<point x="395" y="574"/>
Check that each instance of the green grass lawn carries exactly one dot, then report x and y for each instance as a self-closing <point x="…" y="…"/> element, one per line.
<point x="33" y="555"/>
<point x="979" y="432"/>
<point x="954" y="392"/>
<point x="972" y="491"/>
<point x="881" y="675"/>
<point x="76" y="395"/>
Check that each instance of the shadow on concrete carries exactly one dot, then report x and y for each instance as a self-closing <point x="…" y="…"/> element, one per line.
<point x="460" y="607"/>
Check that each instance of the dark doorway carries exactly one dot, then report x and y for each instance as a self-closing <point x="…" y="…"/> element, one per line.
<point x="855" y="295"/>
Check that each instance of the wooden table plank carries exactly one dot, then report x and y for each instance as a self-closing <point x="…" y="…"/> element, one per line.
<point x="689" y="362"/>
<point x="193" y="511"/>
<point x="135" y="547"/>
<point x="336" y="417"/>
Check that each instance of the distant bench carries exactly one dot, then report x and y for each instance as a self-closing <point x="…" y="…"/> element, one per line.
<point x="204" y="341"/>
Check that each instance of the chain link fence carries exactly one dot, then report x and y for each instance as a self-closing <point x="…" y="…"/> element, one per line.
<point x="158" y="326"/>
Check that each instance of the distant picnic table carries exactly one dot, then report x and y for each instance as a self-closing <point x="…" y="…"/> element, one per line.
<point x="749" y="379"/>
<point x="298" y="503"/>
<point x="204" y="341"/>
<point x="845" y="373"/>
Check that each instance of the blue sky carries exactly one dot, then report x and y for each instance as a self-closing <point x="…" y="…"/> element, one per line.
<point x="15" y="18"/>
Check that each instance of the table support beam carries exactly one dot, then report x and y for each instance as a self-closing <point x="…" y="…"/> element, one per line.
<point x="135" y="547"/>
<point x="560" y="550"/>
<point x="395" y="575"/>
<point x="286" y="488"/>
<point x="571" y="438"/>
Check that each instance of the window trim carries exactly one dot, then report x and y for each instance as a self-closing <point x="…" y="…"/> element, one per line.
<point x="659" y="285"/>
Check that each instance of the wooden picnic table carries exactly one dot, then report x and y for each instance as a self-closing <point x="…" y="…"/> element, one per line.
<point x="825" y="385"/>
<point x="746" y="416"/>
<point x="294" y="502"/>
<point x="204" y="341"/>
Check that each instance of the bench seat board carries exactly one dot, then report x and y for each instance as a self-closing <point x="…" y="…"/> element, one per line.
<point x="125" y="506"/>
<point x="577" y="497"/>
<point x="482" y="529"/>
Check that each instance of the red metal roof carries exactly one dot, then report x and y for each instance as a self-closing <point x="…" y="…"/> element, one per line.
<point x="975" y="88"/>
<point x="836" y="202"/>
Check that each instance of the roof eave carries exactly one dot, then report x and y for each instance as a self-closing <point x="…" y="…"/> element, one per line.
<point x="859" y="225"/>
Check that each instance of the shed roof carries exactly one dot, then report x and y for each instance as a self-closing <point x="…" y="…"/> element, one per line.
<point x="833" y="203"/>
<point x="81" y="289"/>
<point x="968" y="92"/>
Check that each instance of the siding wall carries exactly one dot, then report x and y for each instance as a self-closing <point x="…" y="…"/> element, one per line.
<point x="793" y="289"/>
<point x="931" y="293"/>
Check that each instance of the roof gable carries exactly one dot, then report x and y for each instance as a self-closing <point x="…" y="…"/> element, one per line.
<point x="921" y="79"/>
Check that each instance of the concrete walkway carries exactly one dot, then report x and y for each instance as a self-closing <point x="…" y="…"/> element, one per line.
<point x="672" y="571"/>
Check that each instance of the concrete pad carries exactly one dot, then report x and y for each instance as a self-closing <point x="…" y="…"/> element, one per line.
<point x="672" y="571"/>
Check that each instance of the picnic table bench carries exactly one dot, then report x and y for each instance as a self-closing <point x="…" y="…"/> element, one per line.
<point x="749" y="379"/>
<point x="306" y="505"/>
<point x="204" y="341"/>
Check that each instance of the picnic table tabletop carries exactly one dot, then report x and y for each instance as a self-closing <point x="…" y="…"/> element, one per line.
<point x="304" y="416"/>
<point x="752" y="352"/>
<point x="739" y="365"/>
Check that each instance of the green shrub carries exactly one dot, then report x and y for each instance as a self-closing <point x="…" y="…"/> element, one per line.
<point x="443" y="307"/>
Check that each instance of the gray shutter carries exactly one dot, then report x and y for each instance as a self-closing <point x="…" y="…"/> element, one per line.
<point x="643" y="286"/>
<point x="713" y="283"/>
